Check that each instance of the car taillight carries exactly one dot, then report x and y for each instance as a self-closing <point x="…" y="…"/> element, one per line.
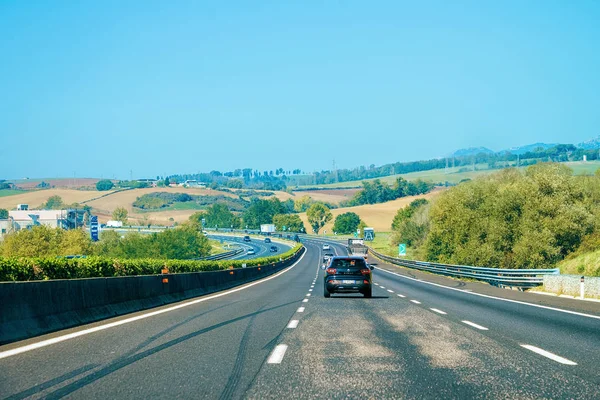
<point x="365" y="271"/>
<point x="366" y="282"/>
<point x="331" y="271"/>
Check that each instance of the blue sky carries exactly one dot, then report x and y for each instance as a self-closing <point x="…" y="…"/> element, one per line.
<point x="100" y="88"/>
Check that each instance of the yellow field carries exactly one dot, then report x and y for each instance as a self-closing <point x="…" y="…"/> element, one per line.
<point x="36" y="198"/>
<point x="377" y="216"/>
<point x="334" y="196"/>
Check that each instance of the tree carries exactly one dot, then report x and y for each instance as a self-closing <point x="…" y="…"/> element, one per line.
<point x="43" y="241"/>
<point x="120" y="214"/>
<point x="104" y="184"/>
<point x="182" y="243"/>
<point x="346" y="223"/>
<point x="53" y="203"/>
<point x="292" y="222"/>
<point x="318" y="215"/>
<point x="218" y="215"/>
<point x="167" y="181"/>
<point x="303" y="203"/>
<point x="262" y="212"/>
<point x="3" y="213"/>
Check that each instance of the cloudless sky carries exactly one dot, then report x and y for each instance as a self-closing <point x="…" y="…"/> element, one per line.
<point x="101" y="88"/>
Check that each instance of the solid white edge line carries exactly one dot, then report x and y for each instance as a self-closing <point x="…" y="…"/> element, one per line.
<point x="549" y="355"/>
<point x="293" y="324"/>
<point x="415" y="301"/>
<point x="493" y="297"/>
<point x="301" y="309"/>
<point x="438" y="311"/>
<point x="73" y="335"/>
<point x="277" y="354"/>
<point x="474" y="325"/>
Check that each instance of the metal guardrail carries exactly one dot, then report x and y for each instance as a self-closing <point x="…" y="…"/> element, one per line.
<point x="501" y="277"/>
<point x="223" y="256"/>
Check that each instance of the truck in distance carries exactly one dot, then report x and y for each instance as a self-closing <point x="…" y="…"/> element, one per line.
<point x="356" y="247"/>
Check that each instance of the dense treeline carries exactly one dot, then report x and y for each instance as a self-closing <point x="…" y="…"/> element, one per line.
<point x="184" y="242"/>
<point x="158" y="200"/>
<point x="378" y="192"/>
<point x="510" y="219"/>
<point x="558" y="153"/>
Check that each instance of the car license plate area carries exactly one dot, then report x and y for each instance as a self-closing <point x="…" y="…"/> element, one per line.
<point x="348" y="282"/>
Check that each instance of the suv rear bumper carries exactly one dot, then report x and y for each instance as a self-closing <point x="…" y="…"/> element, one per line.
<point x="336" y="284"/>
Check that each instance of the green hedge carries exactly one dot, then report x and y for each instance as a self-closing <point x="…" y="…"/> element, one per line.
<point x="29" y="269"/>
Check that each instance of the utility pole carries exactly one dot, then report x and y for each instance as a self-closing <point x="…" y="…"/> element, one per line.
<point x="335" y="172"/>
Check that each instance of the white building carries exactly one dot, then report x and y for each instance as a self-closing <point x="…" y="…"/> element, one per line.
<point x="24" y="219"/>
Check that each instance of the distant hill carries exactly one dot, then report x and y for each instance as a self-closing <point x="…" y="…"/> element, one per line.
<point x="471" y="151"/>
<point x="527" y="148"/>
<point x="591" y="144"/>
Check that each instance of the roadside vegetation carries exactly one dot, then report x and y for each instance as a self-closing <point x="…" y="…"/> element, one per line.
<point x="512" y="219"/>
<point x="374" y="192"/>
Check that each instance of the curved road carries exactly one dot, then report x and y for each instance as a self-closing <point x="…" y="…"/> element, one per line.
<point x="279" y="338"/>
<point x="261" y="249"/>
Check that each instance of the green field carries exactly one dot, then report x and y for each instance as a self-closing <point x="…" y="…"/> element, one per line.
<point x="10" y="192"/>
<point x="453" y="175"/>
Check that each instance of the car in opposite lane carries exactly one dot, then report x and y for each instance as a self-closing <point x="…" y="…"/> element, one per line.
<point x="326" y="247"/>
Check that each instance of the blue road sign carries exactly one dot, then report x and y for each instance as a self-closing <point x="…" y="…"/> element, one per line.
<point x="94" y="228"/>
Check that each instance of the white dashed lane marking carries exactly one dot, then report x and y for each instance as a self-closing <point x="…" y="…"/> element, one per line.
<point x="305" y="301"/>
<point x="401" y="295"/>
<point x="474" y="325"/>
<point x="415" y="301"/>
<point x="301" y="309"/>
<point x="438" y="311"/>
<point x="293" y="324"/>
<point x="391" y="291"/>
<point x="549" y="355"/>
<point x="277" y="355"/>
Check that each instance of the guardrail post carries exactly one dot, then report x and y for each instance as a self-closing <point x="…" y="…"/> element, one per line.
<point x="581" y="287"/>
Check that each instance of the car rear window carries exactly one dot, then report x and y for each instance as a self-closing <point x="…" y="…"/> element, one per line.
<point x="349" y="263"/>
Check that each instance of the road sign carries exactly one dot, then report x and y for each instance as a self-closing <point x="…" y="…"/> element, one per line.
<point x="355" y="234"/>
<point x="94" y="228"/>
<point x="402" y="249"/>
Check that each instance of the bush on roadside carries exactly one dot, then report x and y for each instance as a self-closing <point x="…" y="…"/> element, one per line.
<point x="45" y="268"/>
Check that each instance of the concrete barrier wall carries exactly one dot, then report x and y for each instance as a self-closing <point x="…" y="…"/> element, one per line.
<point x="29" y="309"/>
<point x="570" y="284"/>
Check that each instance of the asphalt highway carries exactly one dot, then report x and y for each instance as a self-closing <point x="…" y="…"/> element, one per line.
<point x="280" y="338"/>
<point x="261" y="249"/>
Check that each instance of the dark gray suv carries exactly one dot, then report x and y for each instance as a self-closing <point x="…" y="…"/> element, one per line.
<point x="348" y="275"/>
